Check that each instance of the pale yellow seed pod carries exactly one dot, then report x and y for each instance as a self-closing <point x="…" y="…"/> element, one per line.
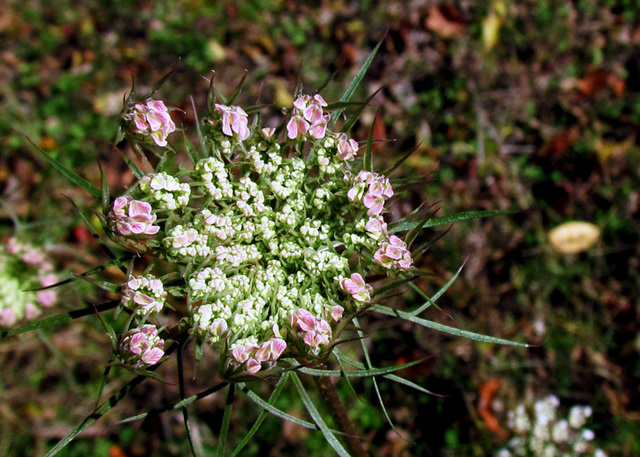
<point x="573" y="237"/>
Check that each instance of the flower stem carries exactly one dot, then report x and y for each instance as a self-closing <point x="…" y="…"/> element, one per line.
<point x="337" y="410"/>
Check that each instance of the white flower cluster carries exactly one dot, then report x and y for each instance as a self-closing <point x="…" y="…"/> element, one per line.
<point x="267" y="229"/>
<point x="165" y="191"/>
<point x="23" y="267"/>
<point x="540" y="431"/>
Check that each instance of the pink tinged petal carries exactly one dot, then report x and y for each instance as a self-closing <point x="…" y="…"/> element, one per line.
<point x="7" y="317"/>
<point x="336" y="312"/>
<point x="313" y="114"/>
<point x="318" y="130"/>
<point x="226" y="124"/>
<point x="47" y="297"/>
<point x="119" y="205"/>
<point x="318" y="100"/>
<point x="31" y="311"/>
<point x="301" y="102"/>
<point x="124" y="228"/>
<point x="48" y="279"/>
<point x="150" y="330"/>
<point x="405" y="264"/>
<point x="375" y="205"/>
<point x="278" y="346"/>
<point x="152" y="356"/>
<point x="395" y="241"/>
<point x="381" y="259"/>
<point x="296" y="127"/>
<point x="218" y="327"/>
<point x="240" y="354"/>
<point x="152" y="230"/>
<point x="138" y="208"/>
<point x="263" y="353"/>
<point x="253" y="366"/>
<point x="309" y="339"/>
<point x="268" y="132"/>
<point x="142" y="299"/>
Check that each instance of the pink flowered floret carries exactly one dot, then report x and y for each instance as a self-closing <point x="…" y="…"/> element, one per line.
<point x="357" y="288"/>
<point x="152" y="119"/>
<point x="308" y="117"/>
<point x="133" y="217"/>
<point x="234" y="121"/>
<point x="393" y="254"/>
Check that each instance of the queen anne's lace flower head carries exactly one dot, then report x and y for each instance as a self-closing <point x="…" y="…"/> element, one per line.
<point x="266" y="229"/>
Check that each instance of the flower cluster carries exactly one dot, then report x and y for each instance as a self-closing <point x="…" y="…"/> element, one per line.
<point x="150" y="121"/>
<point x="540" y="431"/>
<point x="142" y="347"/>
<point x="144" y="294"/>
<point x="308" y="117"/>
<point x="132" y="217"/>
<point x="24" y="267"/>
<point x="266" y="229"/>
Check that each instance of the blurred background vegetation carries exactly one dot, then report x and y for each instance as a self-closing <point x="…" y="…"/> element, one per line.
<point x="531" y="105"/>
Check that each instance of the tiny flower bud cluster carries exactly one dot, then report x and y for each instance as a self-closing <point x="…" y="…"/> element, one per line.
<point x="267" y="237"/>
<point x="150" y="121"/>
<point x="23" y="267"/>
<point x="165" y="191"/>
<point x="142" y="347"/>
<point x="540" y="431"/>
<point x="144" y="294"/>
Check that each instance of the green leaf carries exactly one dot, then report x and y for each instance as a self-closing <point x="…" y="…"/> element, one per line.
<point x="404" y="225"/>
<point x="368" y="365"/>
<point x="106" y="197"/>
<point x="391" y="377"/>
<point x="438" y="294"/>
<point x="356" y="114"/>
<point x="368" y="152"/>
<point x="70" y="175"/>
<point x="414" y="232"/>
<point x="272" y="409"/>
<point x="97" y="414"/>
<point x="444" y="328"/>
<point x="356" y="81"/>
<point x="360" y="373"/>
<point x="60" y="318"/>
<point x="263" y="414"/>
<point x="160" y="83"/>
<point x="237" y="89"/>
<point x="179" y="405"/>
<point x="137" y="172"/>
<point x="226" y="419"/>
<point x="413" y="385"/>
<point x="317" y="418"/>
<point x="195" y="114"/>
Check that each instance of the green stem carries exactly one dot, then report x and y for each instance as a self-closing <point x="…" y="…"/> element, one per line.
<point x="338" y="412"/>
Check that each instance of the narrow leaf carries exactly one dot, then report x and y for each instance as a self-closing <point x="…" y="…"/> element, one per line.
<point x="438" y="294"/>
<point x="356" y="80"/>
<point x="353" y="118"/>
<point x="360" y="373"/>
<point x="106" y="197"/>
<point x="226" y="419"/>
<point x="273" y="410"/>
<point x="70" y="175"/>
<point x="64" y="317"/>
<point x="237" y="89"/>
<point x="317" y="417"/>
<point x="402" y="226"/>
<point x="368" y="152"/>
<point x="444" y="328"/>
<point x="263" y="414"/>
